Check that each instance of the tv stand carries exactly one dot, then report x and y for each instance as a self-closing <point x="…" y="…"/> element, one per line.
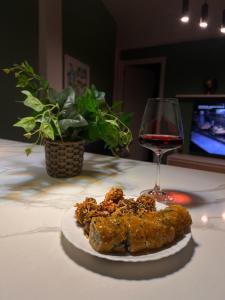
<point x="197" y="162"/>
<point x="200" y="96"/>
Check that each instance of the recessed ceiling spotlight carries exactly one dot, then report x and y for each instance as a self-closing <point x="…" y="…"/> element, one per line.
<point x="204" y="15"/>
<point x="185" y="12"/>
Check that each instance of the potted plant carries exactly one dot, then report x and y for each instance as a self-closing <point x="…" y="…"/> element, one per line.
<point x="64" y="123"/>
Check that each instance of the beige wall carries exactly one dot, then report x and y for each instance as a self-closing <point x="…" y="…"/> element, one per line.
<point x="50" y="42"/>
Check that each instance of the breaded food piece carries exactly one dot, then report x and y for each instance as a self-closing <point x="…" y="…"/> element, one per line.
<point x="115" y="194"/>
<point x="114" y="203"/>
<point x="178" y="217"/>
<point x="147" y="202"/>
<point x="136" y="239"/>
<point x="143" y="204"/>
<point x="111" y="200"/>
<point x="157" y="234"/>
<point x="148" y="233"/>
<point x="126" y="206"/>
<point x="85" y="210"/>
<point x="137" y="233"/>
<point x="108" y="206"/>
<point x="108" y="234"/>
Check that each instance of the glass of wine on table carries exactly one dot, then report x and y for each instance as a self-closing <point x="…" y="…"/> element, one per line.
<point x="161" y="131"/>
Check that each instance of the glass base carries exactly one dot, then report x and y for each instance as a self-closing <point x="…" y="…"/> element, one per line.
<point x="160" y="195"/>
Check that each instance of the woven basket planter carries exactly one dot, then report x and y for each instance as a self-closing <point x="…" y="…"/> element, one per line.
<point x="64" y="159"/>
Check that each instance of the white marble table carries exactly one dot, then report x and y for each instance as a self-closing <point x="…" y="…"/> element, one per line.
<point x="37" y="263"/>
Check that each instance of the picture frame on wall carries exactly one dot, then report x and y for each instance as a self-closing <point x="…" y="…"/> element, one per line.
<point x="76" y="74"/>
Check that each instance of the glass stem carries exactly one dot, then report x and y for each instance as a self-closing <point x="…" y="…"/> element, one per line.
<point x="157" y="181"/>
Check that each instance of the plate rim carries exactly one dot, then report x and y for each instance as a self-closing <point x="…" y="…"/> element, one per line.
<point x="68" y="221"/>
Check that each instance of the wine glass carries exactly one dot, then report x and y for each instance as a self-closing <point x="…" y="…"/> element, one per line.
<point x="161" y="131"/>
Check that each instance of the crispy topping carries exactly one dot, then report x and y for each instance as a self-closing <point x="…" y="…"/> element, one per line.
<point x="114" y="204"/>
<point x="114" y="195"/>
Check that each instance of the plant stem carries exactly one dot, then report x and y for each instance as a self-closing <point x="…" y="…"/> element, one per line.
<point x="116" y="118"/>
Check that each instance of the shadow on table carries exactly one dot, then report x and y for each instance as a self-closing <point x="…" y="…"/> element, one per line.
<point x="23" y="177"/>
<point x="129" y="270"/>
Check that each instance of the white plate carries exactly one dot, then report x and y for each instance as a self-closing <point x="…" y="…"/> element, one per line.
<point x="74" y="234"/>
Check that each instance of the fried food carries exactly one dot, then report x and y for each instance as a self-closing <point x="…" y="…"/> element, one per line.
<point x="147" y="202"/>
<point x="108" y="234"/>
<point x="86" y="210"/>
<point x="178" y="217"/>
<point x="115" y="194"/>
<point x="118" y="224"/>
<point x="138" y="233"/>
<point x="113" y="203"/>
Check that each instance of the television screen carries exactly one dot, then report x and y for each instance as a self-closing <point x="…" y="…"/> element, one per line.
<point x="208" y="129"/>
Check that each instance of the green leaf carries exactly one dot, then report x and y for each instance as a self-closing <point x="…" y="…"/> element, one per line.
<point x="69" y="114"/>
<point x="98" y="95"/>
<point x="70" y="99"/>
<point x="28" y="151"/>
<point x="33" y="102"/>
<point x="28" y="67"/>
<point x="52" y="96"/>
<point x="47" y="130"/>
<point x="109" y="134"/>
<point x="6" y="71"/>
<point x="17" y="74"/>
<point x="113" y="122"/>
<point x="91" y="105"/>
<point x="87" y="102"/>
<point x="61" y="98"/>
<point x="22" y="80"/>
<point x="44" y="83"/>
<point x="27" y="123"/>
<point x="56" y="123"/>
<point x="28" y="135"/>
<point x="124" y="138"/>
<point x="93" y="132"/>
<point x="77" y="122"/>
<point x="65" y="98"/>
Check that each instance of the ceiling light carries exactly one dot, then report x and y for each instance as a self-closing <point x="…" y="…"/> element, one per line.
<point x="203" y="24"/>
<point x="184" y="19"/>
<point x="204" y="15"/>
<point x="222" y="29"/>
<point x="185" y="12"/>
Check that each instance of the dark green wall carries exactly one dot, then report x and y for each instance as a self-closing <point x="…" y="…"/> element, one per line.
<point x="188" y="64"/>
<point x="89" y="34"/>
<point x="19" y="41"/>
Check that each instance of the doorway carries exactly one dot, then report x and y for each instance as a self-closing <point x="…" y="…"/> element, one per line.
<point x="140" y="82"/>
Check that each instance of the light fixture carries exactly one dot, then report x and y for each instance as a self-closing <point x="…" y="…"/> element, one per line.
<point x="204" y="15"/>
<point x="222" y="29"/>
<point x="203" y="23"/>
<point x="204" y="219"/>
<point x="185" y="12"/>
<point x="223" y="216"/>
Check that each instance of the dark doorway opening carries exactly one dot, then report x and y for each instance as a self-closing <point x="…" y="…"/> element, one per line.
<point x="140" y="83"/>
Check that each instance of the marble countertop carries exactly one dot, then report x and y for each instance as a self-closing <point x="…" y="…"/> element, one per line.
<point x="38" y="263"/>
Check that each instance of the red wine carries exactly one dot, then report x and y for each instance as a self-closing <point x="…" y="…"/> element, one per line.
<point x="160" y="142"/>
